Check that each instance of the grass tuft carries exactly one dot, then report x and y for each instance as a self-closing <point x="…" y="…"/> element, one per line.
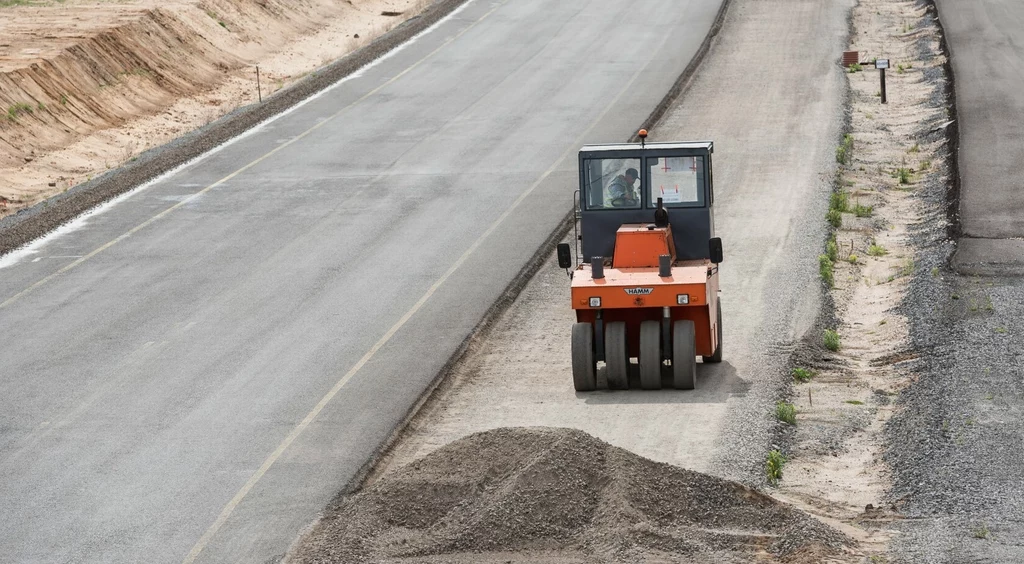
<point x="863" y="211"/>
<point x="803" y="374"/>
<point x="835" y="218"/>
<point x="785" y="412"/>
<point x="877" y="250"/>
<point x="831" y="340"/>
<point x="773" y="466"/>
<point x="17" y="109"/>
<point x="825" y="270"/>
<point x="844" y="152"/>
<point x="839" y="201"/>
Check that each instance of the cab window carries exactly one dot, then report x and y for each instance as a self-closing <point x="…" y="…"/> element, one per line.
<point x="678" y="181"/>
<point x="612" y="183"/>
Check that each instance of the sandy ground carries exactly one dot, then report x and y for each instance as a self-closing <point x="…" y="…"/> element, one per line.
<point x="106" y="81"/>
<point x="837" y="467"/>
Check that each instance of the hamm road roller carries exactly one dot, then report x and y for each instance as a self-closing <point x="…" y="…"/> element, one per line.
<point x="645" y="282"/>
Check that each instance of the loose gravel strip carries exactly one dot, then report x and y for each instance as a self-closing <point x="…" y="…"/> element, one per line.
<point x="34" y="222"/>
<point x="955" y="445"/>
<point x="559" y="495"/>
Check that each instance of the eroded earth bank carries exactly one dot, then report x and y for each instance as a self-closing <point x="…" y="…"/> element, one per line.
<point x="85" y="87"/>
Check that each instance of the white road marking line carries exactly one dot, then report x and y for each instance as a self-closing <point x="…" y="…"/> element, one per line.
<point x="14" y="256"/>
<point x="32" y="247"/>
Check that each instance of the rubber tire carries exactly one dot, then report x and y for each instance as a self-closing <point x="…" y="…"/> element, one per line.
<point x="616" y="355"/>
<point x="584" y="367"/>
<point x="684" y="356"/>
<point x="717" y="357"/>
<point x="650" y="355"/>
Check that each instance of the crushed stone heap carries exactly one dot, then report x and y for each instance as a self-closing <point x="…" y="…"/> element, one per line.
<point x="559" y="495"/>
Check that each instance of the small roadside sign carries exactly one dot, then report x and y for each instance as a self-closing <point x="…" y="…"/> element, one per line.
<point x="881" y="65"/>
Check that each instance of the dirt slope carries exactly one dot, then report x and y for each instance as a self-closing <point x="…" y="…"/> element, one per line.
<point x="85" y="86"/>
<point x="559" y="495"/>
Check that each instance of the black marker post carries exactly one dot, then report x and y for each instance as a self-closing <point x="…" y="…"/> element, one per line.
<point x="881" y="65"/>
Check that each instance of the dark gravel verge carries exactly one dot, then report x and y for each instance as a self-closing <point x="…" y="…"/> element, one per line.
<point x="544" y="494"/>
<point x="32" y="223"/>
<point x="956" y="443"/>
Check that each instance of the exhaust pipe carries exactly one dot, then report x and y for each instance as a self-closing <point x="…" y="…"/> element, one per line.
<point x="664" y="266"/>
<point x="597" y="267"/>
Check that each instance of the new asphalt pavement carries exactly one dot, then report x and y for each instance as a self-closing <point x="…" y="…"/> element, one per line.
<point x="190" y="374"/>
<point x="986" y="44"/>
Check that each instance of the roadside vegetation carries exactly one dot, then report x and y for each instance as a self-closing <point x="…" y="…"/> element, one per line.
<point x="831" y="340"/>
<point x="773" y="467"/>
<point x="785" y="412"/>
<point x="803" y="375"/>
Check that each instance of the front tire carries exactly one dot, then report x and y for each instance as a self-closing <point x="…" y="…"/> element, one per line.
<point x="584" y="368"/>
<point x="684" y="357"/>
<point x="616" y="355"/>
<point x="650" y="355"/>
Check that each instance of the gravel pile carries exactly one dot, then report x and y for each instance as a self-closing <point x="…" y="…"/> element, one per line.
<point x="559" y="495"/>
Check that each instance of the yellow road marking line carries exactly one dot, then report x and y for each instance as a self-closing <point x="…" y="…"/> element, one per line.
<point x="312" y="415"/>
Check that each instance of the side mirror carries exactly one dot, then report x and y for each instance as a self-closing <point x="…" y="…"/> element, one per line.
<point x="565" y="255"/>
<point x="715" y="249"/>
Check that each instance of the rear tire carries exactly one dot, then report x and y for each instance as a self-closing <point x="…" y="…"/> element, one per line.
<point x="584" y="368"/>
<point x="684" y="357"/>
<point x="650" y="355"/>
<point x="616" y="355"/>
<point x="717" y="357"/>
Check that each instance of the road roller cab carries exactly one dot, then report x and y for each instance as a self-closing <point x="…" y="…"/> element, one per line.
<point x="645" y="275"/>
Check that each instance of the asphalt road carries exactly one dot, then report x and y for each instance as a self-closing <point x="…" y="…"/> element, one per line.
<point x="986" y="41"/>
<point x="193" y="372"/>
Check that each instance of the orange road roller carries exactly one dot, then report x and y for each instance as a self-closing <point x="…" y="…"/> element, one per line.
<point x="645" y="274"/>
